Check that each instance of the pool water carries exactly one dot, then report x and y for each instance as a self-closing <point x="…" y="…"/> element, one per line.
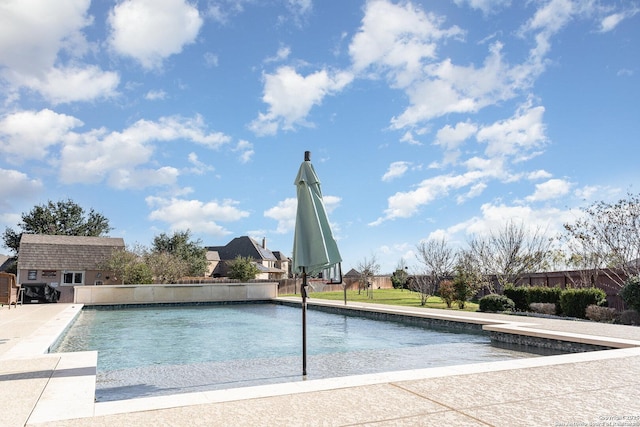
<point x="167" y="350"/>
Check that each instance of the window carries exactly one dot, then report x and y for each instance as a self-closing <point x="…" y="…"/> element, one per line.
<point x="73" y="278"/>
<point x="32" y="275"/>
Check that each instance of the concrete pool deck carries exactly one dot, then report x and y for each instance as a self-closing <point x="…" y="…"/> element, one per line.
<point x="599" y="388"/>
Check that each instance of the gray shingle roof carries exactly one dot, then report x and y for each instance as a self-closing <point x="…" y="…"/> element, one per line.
<point x="244" y="246"/>
<point x="45" y="252"/>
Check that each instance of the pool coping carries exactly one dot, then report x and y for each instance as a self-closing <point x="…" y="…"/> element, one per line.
<point x="74" y="374"/>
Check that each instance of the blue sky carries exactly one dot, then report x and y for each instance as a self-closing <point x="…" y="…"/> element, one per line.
<point x="424" y="119"/>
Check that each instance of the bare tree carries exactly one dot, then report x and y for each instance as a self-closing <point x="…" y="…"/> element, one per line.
<point x="510" y="253"/>
<point x="368" y="268"/>
<point x="437" y="260"/>
<point x="607" y="237"/>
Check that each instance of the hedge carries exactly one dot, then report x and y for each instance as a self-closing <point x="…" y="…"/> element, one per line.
<point x="496" y="303"/>
<point x="574" y="302"/>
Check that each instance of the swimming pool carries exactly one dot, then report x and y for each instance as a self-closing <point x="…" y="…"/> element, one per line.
<point x="166" y="350"/>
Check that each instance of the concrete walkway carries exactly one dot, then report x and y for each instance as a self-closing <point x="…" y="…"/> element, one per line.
<point x="586" y="389"/>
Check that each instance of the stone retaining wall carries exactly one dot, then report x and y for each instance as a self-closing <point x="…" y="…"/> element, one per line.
<point x="155" y="294"/>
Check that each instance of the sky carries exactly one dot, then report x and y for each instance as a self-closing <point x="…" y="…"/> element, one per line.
<point x="424" y="119"/>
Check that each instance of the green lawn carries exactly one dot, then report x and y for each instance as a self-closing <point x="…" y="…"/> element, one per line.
<point x="389" y="296"/>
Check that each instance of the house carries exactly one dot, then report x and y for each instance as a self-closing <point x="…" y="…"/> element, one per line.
<point x="271" y="267"/>
<point x="6" y="262"/>
<point x="213" y="259"/>
<point x="62" y="262"/>
<point x="283" y="263"/>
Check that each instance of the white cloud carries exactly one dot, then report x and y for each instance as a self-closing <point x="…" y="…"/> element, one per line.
<point x="199" y="167"/>
<point x="538" y="174"/>
<point x="143" y="178"/>
<point x="486" y="6"/>
<point x="245" y="148"/>
<point x="33" y="32"/>
<point x="610" y="22"/>
<point x="551" y="189"/>
<point x="282" y="54"/>
<point x="397" y="39"/>
<point x="518" y="136"/>
<point x="446" y="88"/>
<point x="285" y="214"/>
<point x="396" y="170"/>
<point x="154" y="95"/>
<point x="549" y="221"/>
<point x="17" y="185"/>
<point x="406" y="204"/>
<point x="93" y="156"/>
<point x="29" y="134"/>
<point x="291" y="96"/>
<point x="151" y="30"/>
<point x="70" y="84"/>
<point x="451" y="138"/>
<point x="195" y="215"/>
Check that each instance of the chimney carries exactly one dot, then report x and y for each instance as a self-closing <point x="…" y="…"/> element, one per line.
<point x="264" y="243"/>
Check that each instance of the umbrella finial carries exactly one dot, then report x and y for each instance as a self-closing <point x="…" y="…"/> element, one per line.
<point x="307" y="156"/>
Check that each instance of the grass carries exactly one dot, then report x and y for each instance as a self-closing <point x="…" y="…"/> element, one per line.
<point x="401" y="297"/>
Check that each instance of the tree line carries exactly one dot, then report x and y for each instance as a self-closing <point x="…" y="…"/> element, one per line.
<point x="603" y="240"/>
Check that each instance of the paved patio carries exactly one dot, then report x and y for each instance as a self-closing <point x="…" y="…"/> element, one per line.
<point x="588" y="389"/>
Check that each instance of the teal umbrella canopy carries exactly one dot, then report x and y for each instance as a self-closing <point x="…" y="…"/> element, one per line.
<point x="314" y="247"/>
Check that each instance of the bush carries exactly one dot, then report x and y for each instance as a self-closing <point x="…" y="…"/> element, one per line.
<point x="601" y="314"/>
<point x="447" y="292"/>
<point x="462" y="291"/>
<point x="543" y="307"/>
<point x="629" y="317"/>
<point x="518" y="295"/>
<point x="544" y="294"/>
<point x="630" y="293"/>
<point x="574" y="302"/>
<point x="496" y="303"/>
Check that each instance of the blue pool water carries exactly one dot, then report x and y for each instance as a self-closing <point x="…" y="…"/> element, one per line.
<point x="162" y="350"/>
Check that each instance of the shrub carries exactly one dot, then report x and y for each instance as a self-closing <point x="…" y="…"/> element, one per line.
<point x="629" y="317"/>
<point x="574" y="302"/>
<point x="543" y="307"/>
<point x="462" y="291"/>
<point x="544" y="294"/>
<point x="447" y="292"/>
<point x="496" y="303"/>
<point x="630" y="293"/>
<point x="601" y="314"/>
<point x="518" y="295"/>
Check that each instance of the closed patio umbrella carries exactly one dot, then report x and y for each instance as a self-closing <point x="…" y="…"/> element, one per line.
<point x="314" y="248"/>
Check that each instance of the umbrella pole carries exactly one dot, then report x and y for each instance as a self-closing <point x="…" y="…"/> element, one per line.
<point x="303" y="292"/>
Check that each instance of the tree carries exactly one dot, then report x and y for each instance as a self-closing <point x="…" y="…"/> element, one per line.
<point x="400" y="275"/>
<point x="469" y="271"/>
<point x="64" y="217"/>
<point x="166" y="267"/>
<point x="510" y="252"/>
<point x="437" y="259"/>
<point x="129" y="266"/>
<point x="368" y="268"/>
<point x="607" y="238"/>
<point x="180" y="245"/>
<point x="242" y="268"/>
